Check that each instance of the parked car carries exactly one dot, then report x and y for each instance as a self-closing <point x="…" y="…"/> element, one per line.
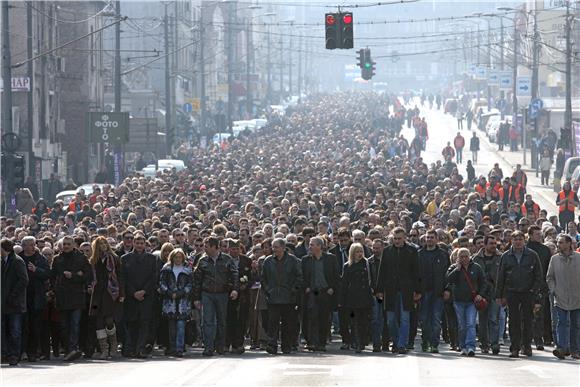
<point x="571" y="164"/>
<point x="66" y="196"/>
<point x="450" y="106"/>
<point x="575" y="179"/>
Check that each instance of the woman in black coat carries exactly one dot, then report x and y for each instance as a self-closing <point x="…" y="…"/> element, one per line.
<point x="106" y="295"/>
<point x="356" y="294"/>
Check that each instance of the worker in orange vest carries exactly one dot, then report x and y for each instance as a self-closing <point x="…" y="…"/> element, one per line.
<point x="481" y="186"/>
<point x="516" y="192"/>
<point x="567" y="202"/>
<point x="520" y="176"/>
<point x="530" y="206"/>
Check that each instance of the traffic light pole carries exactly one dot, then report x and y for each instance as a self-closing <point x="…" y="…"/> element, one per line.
<point x="568" y="111"/>
<point x="167" y="85"/>
<point x="535" y="81"/>
<point x="6" y="70"/>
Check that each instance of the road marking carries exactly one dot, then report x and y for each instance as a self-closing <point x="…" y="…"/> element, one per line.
<point x="537" y="371"/>
<point x="186" y="378"/>
<point x="309" y="369"/>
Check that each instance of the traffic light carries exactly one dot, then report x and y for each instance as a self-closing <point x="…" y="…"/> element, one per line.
<point x="346" y="36"/>
<point x="360" y="58"/>
<point x="19" y="166"/>
<point x="368" y="66"/>
<point x="332" y="31"/>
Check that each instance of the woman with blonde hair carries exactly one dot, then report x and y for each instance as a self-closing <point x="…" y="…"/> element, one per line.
<point x="176" y="287"/>
<point x="107" y="295"/>
<point x="356" y="295"/>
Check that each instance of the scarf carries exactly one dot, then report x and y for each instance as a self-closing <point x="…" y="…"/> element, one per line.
<point x="112" y="281"/>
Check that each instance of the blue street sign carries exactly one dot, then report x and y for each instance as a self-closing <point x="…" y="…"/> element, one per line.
<point x="187" y="107"/>
<point x="524" y="86"/>
<point x="535" y="108"/>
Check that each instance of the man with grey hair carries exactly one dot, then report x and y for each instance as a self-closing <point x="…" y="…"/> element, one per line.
<point x="321" y="278"/>
<point x="281" y="281"/>
<point x="38" y="273"/>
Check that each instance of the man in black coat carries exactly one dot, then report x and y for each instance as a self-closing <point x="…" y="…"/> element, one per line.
<point x="321" y="280"/>
<point x="281" y="282"/>
<point x="239" y="309"/>
<point x="38" y="274"/>
<point x="71" y="272"/>
<point x="139" y="273"/>
<point x="399" y="277"/>
<point x="433" y="264"/>
<point x="302" y="249"/>
<point x="14" y="284"/>
<point x="340" y="252"/>
<point x="542" y="323"/>
<point x="519" y="282"/>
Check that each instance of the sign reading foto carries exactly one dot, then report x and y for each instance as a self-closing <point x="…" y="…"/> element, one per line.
<point x="106" y="127"/>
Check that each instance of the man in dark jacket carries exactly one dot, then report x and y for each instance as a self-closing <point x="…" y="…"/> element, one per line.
<point x="281" y="281"/>
<point x="489" y="258"/>
<point x="139" y="273"/>
<point x="542" y="323"/>
<point x="38" y="274"/>
<point x="320" y="282"/>
<point x="518" y="285"/>
<point x="71" y="272"/>
<point x="433" y="264"/>
<point x="302" y="249"/>
<point x="215" y="278"/>
<point x="239" y="309"/>
<point x="379" y="333"/>
<point x="14" y="284"/>
<point x="340" y="253"/>
<point x="399" y="277"/>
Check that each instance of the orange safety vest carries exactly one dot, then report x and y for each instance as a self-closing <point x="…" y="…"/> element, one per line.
<point x="535" y="209"/>
<point x="480" y="190"/>
<point x="568" y="206"/>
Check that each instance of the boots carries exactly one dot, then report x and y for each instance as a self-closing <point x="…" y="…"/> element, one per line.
<point x="112" y="338"/>
<point x="103" y="345"/>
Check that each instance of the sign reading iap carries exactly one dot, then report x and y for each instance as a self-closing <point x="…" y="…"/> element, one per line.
<point x="105" y="127"/>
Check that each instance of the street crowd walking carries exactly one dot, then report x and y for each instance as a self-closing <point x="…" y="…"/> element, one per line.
<point x="325" y="222"/>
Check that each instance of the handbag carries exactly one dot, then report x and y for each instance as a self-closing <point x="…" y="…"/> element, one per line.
<point x="482" y="303"/>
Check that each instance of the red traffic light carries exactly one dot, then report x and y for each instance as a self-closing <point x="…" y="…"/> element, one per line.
<point x="330" y="20"/>
<point x="347" y="18"/>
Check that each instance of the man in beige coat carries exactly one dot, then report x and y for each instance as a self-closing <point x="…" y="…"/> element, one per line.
<point x="562" y="278"/>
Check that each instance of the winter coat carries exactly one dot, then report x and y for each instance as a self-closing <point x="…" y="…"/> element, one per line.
<point x="331" y="273"/>
<point x="355" y="286"/>
<point x="70" y="293"/>
<point x="490" y="266"/>
<point x="14" y="285"/>
<point x="244" y="270"/>
<point x="182" y="286"/>
<point x="37" y="281"/>
<point x="399" y="272"/>
<point x="474" y="144"/>
<point x="458" y="285"/>
<point x="218" y="277"/>
<point x="282" y="279"/>
<point x="525" y="277"/>
<point x="139" y="272"/>
<point x="433" y="266"/>
<point x="102" y="302"/>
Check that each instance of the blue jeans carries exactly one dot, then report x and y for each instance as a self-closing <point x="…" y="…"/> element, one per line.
<point x="378" y="323"/>
<point x="12" y="334"/>
<point x="176" y="335"/>
<point x="466" y="314"/>
<point x="459" y="155"/>
<point x="430" y="315"/>
<point x="489" y="325"/>
<point x="214" y="308"/>
<point x="502" y="321"/>
<point x="568" y="324"/>
<point x="399" y="329"/>
<point x="70" y="322"/>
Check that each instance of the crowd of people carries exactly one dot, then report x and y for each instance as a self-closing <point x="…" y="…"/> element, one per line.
<point x="326" y="222"/>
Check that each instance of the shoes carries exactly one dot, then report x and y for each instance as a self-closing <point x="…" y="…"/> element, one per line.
<point x="540" y="347"/>
<point x="286" y="351"/>
<point x="463" y="352"/>
<point x="576" y="356"/>
<point x="377" y="349"/>
<point x="143" y="355"/>
<point x="148" y="349"/>
<point x="485" y="350"/>
<point x="425" y="347"/>
<point x="13" y="361"/>
<point x="559" y="353"/>
<point x="220" y="351"/>
<point x="495" y="349"/>
<point x="410" y="346"/>
<point x="528" y="351"/>
<point x="358" y="350"/>
<point x="73" y="355"/>
<point x="169" y="352"/>
<point x="471" y="353"/>
<point x="179" y="354"/>
<point x="345" y="346"/>
<point x="320" y="348"/>
<point x="394" y="349"/>
<point x="271" y="350"/>
<point x="433" y="349"/>
<point x="514" y="354"/>
<point x="207" y="353"/>
<point x="403" y="351"/>
<point x="238" y="350"/>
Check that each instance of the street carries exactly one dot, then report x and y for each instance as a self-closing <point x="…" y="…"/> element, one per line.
<point x="335" y="368"/>
<point x="443" y="128"/>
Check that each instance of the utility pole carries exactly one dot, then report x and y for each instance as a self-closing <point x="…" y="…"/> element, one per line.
<point x="118" y="58"/>
<point x="269" y="87"/>
<point x="249" y="107"/>
<point x="202" y="106"/>
<point x="6" y="71"/>
<point x="300" y="67"/>
<point x="30" y="96"/>
<point x="168" y="107"/>
<point x="514" y="86"/>
<point x="535" y="85"/>
<point x="488" y="63"/>
<point x="568" y="112"/>
<point x="501" y="60"/>
<point x="230" y="58"/>
<point x="281" y="65"/>
<point x="290" y="63"/>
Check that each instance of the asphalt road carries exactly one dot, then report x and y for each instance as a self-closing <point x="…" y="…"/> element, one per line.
<point x="334" y="368"/>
